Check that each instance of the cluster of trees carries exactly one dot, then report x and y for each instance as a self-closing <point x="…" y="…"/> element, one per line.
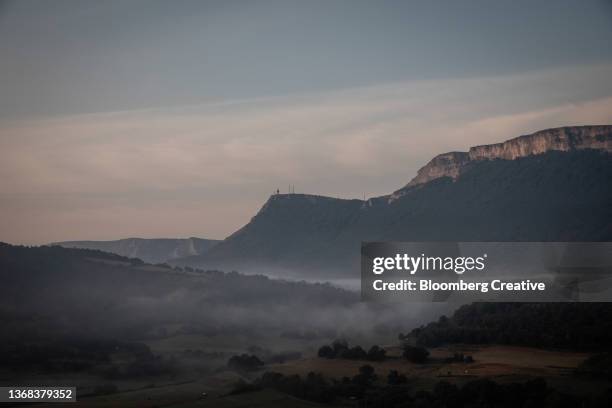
<point x="52" y="356"/>
<point x="395" y="378"/>
<point x="577" y="326"/>
<point x="91" y="355"/>
<point x="415" y="354"/>
<point x="366" y="389"/>
<point x="315" y="387"/>
<point x="341" y="349"/>
<point x="478" y="393"/>
<point x="273" y="357"/>
<point x="245" y="362"/>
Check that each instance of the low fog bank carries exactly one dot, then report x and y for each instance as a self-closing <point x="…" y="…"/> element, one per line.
<point x="106" y="323"/>
<point x="52" y="292"/>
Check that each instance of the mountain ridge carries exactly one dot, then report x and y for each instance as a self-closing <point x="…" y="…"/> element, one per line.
<point x="151" y="250"/>
<point x="567" y="138"/>
<point x="550" y="196"/>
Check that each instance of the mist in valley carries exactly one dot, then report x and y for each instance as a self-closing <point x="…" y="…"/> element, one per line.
<point x="88" y="313"/>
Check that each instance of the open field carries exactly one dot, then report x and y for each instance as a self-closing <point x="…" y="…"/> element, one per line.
<point x="190" y="394"/>
<point x="499" y="363"/>
<point x="489" y="361"/>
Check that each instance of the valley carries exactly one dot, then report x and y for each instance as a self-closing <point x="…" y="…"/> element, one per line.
<point x="242" y="322"/>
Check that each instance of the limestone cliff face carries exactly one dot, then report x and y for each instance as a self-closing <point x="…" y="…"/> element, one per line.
<point x="560" y="139"/>
<point x="563" y="139"/>
<point x="446" y="164"/>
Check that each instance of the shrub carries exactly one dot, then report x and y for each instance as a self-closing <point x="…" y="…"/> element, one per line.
<point x="244" y="362"/>
<point x="415" y="354"/>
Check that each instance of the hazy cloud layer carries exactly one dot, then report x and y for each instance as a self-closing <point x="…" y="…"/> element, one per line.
<point x="79" y="56"/>
<point x="205" y="170"/>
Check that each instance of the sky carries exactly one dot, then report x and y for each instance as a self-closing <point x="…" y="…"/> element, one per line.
<point x="175" y="119"/>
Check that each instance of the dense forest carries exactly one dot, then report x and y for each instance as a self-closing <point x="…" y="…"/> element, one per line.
<point x="340" y="349"/>
<point x="54" y="291"/>
<point x="367" y="388"/>
<point x="576" y="326"/>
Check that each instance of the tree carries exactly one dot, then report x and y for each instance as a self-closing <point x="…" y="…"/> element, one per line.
<point x="365" y="377"/>
<point x="339" y="346"/>
<point x="354" y="353"/>
<point x="395" y="378"/>
<point x="326" y="352"/>
<point x="415" y="354"/>
<point x="376" y="353"/>
<point x="244" y="362"/>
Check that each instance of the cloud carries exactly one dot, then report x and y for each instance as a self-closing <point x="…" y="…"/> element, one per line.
<point x="205" y="170"/>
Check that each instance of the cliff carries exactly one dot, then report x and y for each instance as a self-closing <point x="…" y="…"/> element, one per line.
<point x="445" y="164"/>
<point x="552" y="185"/>
<point x="554" y="196"/>
<point x="559" y="139"/>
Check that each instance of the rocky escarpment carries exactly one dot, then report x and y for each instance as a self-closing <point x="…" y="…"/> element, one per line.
<point x="549" y="186"/>
<point x="445" y="164"/>
<point x="554" y="196"/>
<point x="559" y="139"/>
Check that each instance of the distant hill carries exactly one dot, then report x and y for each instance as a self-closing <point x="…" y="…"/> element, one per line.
<point x="550" y="186"/>
<point x="156" y="250"/>
<point x="54" y="291"/>
<point x="576" y="326"/>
